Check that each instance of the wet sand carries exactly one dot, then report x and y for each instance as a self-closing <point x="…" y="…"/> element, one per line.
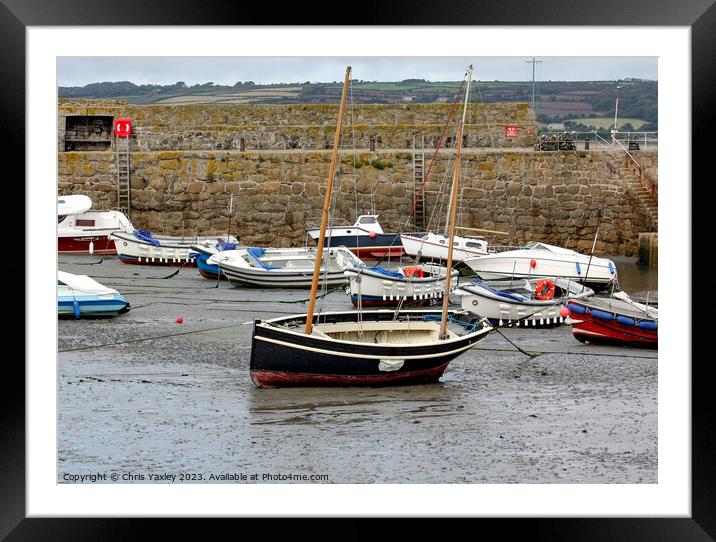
<point x="140" y="394"/>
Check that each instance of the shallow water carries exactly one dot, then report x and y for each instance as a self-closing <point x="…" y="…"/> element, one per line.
<point x="140" y="394"/>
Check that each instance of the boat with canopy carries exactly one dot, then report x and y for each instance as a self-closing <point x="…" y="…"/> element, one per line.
<point x="364" y="347"/>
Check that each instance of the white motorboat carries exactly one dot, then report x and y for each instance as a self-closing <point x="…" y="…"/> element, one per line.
<point x="81" y="231"/>
<point x="529" y="303"/>
<point x="406" y="286"/>
<point x="435" y="246"/>
<point x="541" y="260"/>
<point x="139" y="246"/>
<point x="81" y="296"/>
<point x="282" y="267"/>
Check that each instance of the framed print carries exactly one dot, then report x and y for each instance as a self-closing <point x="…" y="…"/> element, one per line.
<point x="657" y="484"/>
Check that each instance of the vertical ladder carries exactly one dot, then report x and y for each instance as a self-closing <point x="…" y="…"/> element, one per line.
<point x="418" y="175"/>
<point x="123" y="189"/>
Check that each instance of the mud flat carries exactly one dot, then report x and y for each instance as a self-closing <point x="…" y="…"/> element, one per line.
<point x="142" y="395"/>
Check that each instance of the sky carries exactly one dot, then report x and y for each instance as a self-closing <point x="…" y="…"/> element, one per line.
<point x="79" y="71"/>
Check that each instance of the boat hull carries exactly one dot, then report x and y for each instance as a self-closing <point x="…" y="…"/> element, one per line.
<point x="207" y="270"/>
<point x="381" y="246"/>
<point x="169" y="251"/>
<point x="91" y="306"/>
<point x="497" y="266"/>
<point x="380" y="289"/>
<point x="101" y="245"/>
<point x="504" y="311"/>
<point x="248" y="278"/>
<point x="432" y="246"/>
<point x="282" y="357"/>
<point x="588" y="328"/>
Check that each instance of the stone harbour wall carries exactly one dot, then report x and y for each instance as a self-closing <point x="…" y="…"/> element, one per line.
<point x="556" y="197"/>
<point x="302" y="126"/>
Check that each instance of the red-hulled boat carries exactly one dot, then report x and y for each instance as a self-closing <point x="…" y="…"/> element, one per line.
<point x="614" y="320"/>
<point x="81" y="231"/>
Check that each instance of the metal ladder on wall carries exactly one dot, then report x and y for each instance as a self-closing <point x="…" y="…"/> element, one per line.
<point x="121" y="146"/>
<point x="418" y="175"/>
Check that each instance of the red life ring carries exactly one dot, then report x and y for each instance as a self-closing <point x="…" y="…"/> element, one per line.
<point x="544" y="290"/>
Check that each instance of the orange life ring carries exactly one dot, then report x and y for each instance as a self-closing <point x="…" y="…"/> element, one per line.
<point x="544" y="290"/>
<point x="415" y="271"/>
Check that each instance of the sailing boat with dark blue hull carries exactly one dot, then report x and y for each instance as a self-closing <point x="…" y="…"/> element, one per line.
<point x="361" y="348"/>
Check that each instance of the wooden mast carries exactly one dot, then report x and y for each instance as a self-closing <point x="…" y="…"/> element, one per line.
<point x="453" y="211"/>
<point x="326" y="206"/>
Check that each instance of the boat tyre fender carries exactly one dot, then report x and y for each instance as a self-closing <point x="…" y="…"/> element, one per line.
<point x="544" y="290"/>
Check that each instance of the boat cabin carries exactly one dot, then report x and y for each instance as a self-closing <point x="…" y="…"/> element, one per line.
<point x="369" y="223"/>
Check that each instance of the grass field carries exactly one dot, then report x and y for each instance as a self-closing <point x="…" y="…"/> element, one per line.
<point x="606" y="122"/>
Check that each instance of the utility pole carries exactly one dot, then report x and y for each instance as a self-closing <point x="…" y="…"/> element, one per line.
<point x="534" y="64"/>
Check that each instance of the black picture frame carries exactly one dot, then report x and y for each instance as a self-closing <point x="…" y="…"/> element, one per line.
<point x="699" y="15"/>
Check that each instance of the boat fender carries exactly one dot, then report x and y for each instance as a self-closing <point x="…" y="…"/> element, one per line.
<point x="390" y="365"/>
<point x="76" y="308"/>
<point x="611" y="268"/>
<point x="626" y="321"/>
<point x="646" y="324"/>
<point x="579" y="269"/>
<point x="576" y="308"/>
<point x="544" y="290"/>
<point x="563" y="311"/>
<point x="372" y="235"/>
<point x="602" y="315"/>
<point x="533" y="263"/>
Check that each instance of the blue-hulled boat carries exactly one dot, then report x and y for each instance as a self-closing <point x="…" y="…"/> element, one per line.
<point x="79" y="296"/>
<point x="202" y="253"/>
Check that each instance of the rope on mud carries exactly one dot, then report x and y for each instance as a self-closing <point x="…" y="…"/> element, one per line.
<point x="607" y="355"/>
<point x="525" y="352"/>
<point x="308" y="299"/>
<point x="86" y="263"/>
<point x="166" y="336"/>
<point x="175" y="273"/>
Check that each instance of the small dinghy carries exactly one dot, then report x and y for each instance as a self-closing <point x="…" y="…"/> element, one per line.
<point x="201" y="254"/>
<point x="141" y="247"/>
<point x="365" y="238"/>
<point x="282" y="267"/>
<point x="408" y="286"/>
<point x="540" y="260"/>
<point x="528" y="303"/>
<point x="614" y="320"/>
<point x="81" y="231"/>
<point x="79" y="296"/>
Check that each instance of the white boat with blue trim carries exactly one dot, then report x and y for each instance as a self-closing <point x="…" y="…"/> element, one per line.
<point x="142" y="247"/>
<point x="79" y="296"/>
<point x="540" y="260"/>
<point x="520" y="302"/>
<point x="282" y="267"/>
<point x="406" y="286"/>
